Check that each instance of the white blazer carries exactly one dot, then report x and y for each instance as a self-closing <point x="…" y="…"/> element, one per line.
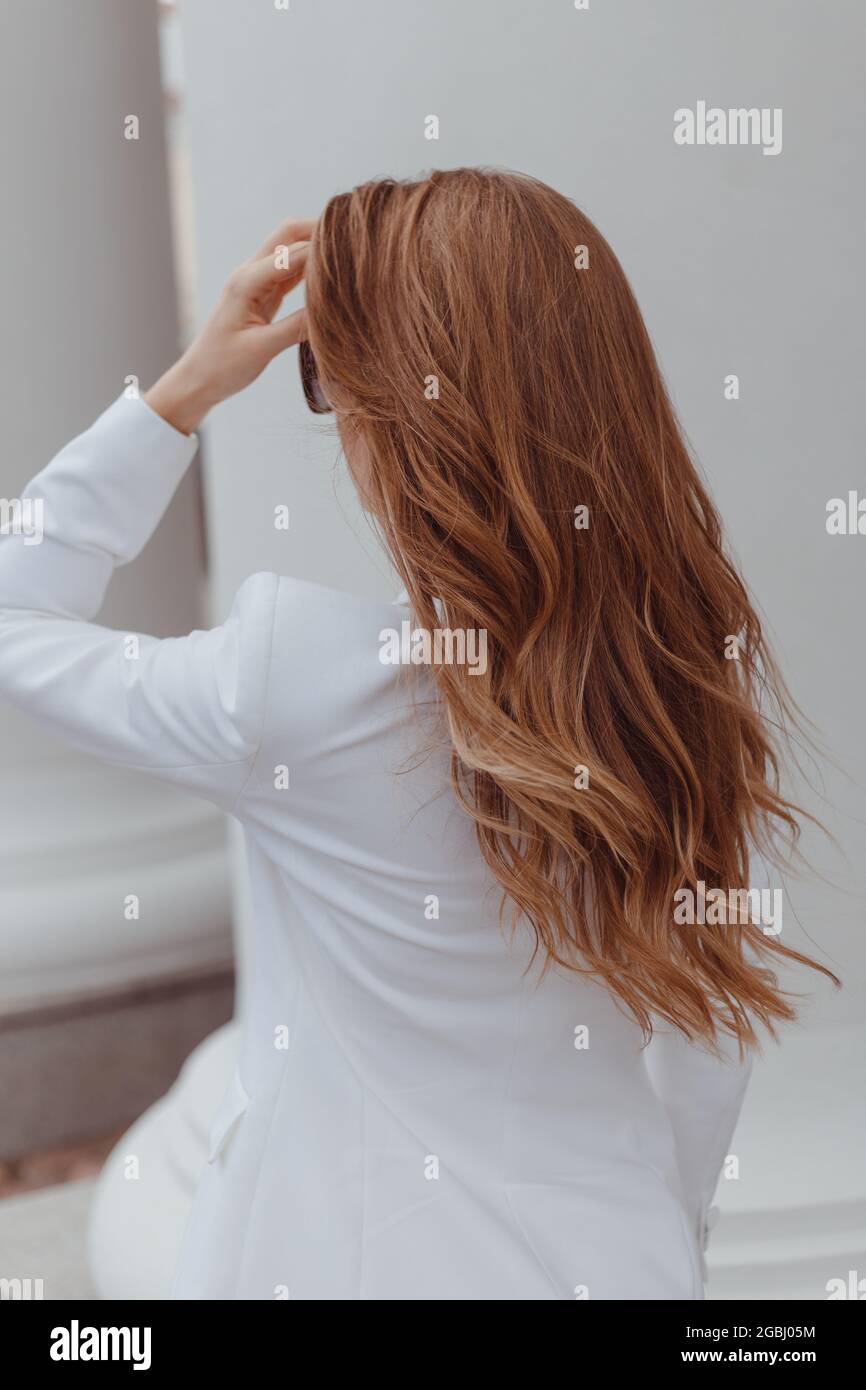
<point x="414" y="1115"/>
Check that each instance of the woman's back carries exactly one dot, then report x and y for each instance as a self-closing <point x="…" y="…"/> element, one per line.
<point x="427" y="1116"/>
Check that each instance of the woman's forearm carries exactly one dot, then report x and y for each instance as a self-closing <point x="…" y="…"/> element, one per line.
<point x="181" y="397"/>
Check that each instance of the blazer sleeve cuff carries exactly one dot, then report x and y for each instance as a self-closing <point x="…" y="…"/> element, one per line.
<point x="99" y="501"/>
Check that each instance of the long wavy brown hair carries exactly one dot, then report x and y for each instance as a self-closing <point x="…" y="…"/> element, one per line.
<point x="489" y="352"/>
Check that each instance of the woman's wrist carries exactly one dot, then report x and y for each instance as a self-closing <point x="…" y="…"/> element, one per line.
<point x="180" y="397"/>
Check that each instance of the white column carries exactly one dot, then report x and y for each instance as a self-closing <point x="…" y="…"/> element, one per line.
<point x="87" y="287"/>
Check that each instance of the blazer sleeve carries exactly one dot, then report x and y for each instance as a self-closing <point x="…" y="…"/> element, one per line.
<point x="703" y="1095"/>
<point x="189" y="710"/>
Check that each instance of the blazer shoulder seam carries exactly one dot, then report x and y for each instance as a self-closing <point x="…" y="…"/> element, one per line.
<point x="253" y="756"/>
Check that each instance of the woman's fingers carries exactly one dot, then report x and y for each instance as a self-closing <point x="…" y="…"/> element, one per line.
<point x="240" y="337"/>
<point x="291" y="230"/>
<point x="285" y="263"/>
<point x="286" y="332"/>
<point x="263" y="283"/>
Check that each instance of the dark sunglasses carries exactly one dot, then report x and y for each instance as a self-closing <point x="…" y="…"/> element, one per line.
<point x="313" y="393"/>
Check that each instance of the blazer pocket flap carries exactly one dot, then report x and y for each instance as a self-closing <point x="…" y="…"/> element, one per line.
<point x="229" y="1112"/>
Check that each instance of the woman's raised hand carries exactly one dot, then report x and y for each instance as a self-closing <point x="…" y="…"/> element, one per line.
<point x="241" y="336"/>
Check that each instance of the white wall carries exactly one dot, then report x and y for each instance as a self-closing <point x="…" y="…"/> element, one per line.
<point x="742" y="263"/>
